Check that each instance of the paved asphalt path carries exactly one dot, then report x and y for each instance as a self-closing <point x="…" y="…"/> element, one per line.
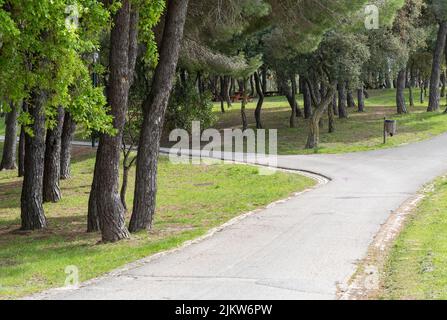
<point x="300" y="249"/>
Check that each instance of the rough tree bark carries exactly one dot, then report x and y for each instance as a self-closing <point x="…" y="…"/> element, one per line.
<point x="244" y="102"/>
<point x="127" y="165"/>
<point x="10" y="145"/>
<point x="222" y="94"/>
<point x="421" y="94"/>
<point x="314" y="128"/>
<point x="252" y="86"/>
<point x="307" y="100"/>
<point x="21" y="166"/>
<point x="226" y="91"/>
<point x="411" y="84"/>
<point x="331" y="117"/>
<point x="361" y="99"/>
<point x="438" y="54"/>
<point x="52" y="167"/>
<point x="400" y="93"/>
<point x="298" y="112"/>
<point x="350" y="99"/>
<point x="264" y="78"/>
<point x="290" y="93"/>
<point x="32" y="212"/>
<point x="154" y="108"/>
<point x="335" y="103"/>
<point x="342" y="101"/>
<point x="260" y="93"/>
<point x="105" y="207"/>
<point x="443" y="84"/>
<point x="68" y="131"/>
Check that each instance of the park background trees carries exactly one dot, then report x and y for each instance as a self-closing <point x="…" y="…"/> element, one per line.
<point x="61" y="71"/>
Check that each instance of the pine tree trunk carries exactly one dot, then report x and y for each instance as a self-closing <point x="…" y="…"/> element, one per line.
<point x="68" y="131"/>
<point x="252" y="87"/>
<point x="51" y="177"/>
<point x="443" y="84"/>
<point x="342" y="101"/>
<point x="105" y="202"/>
<point x="10" y="145"/>
<point x="400" y="95"/>
<point x="227" y="91"/>
<point x="32" y="213"/>
<point x="260" y="101"/>
<point x="124" y="187"/>
<point x="264" y="79"/>
<point x="21" y="167"/>
<point x="298" y="112"/>
<point x="361" y="99"/>
<point x="313" y="137"/>
<point x="222" y="94"/>
<point x="331" y="118"/>
<point x="154" y="112"/>
<point x="421" y="94"/>
<point x="243" y="88"/>
<point x="307" y="100"/>
<point x="411" y="96"/>
<point x="335" y="103"/>
<point x="438" y="55"/>
<point x="350" y="98"/>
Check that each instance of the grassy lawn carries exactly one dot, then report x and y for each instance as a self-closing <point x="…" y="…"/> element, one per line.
<point x="191" y="200"/>
<point x="361" y="132"/>
<point x="417" y="266"/>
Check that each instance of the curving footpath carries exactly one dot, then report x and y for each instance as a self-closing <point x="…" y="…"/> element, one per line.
<point x="304" y="248"/>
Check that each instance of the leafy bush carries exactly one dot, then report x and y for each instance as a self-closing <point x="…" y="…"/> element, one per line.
<point x="187" y="105"/>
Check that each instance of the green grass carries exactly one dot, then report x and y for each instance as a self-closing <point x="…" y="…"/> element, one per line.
<point x="361" y="132"/>
<point x="191" y="200"/>
<point x="2" y="126"/>
<point x="417" y="265"/>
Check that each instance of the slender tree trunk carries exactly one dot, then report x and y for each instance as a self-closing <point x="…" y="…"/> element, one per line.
<point x="105" y="203"/>
<point x="243" y="88"/>
<point x="21" y="168"/>
<point x="252" y="87"/>
<point x="32" y="213"/>
<point x="400" y="96"/>
<point x="222" y="94"/>
<point x="342" y="101"/>
<point x="260" y="101"/>
<point x="421" y="94"/>
<point x="411" y="96"/>
<point x="10" y="145"/>
<point x="438" y="54"/>
<point x="290" y="93"/>
<point x="307" y="100"/>
<point x="124" y="186"/>
<point x="68" y="131"/>
<point x="350" y="99"/>
<point x="154" y="112"/>
<point x="298" y="112"/>
<point x="443" y="84"/>
<point x="388" y="81"/>
<point x="314" y="128"/>
<point x="264" y="79"/>
<point x="331" y="117"/>
<point x="335" y="103"/>
<point x="227" y="91"/>
<point x="51" y="177"/>
<point x="361" y="99"/>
